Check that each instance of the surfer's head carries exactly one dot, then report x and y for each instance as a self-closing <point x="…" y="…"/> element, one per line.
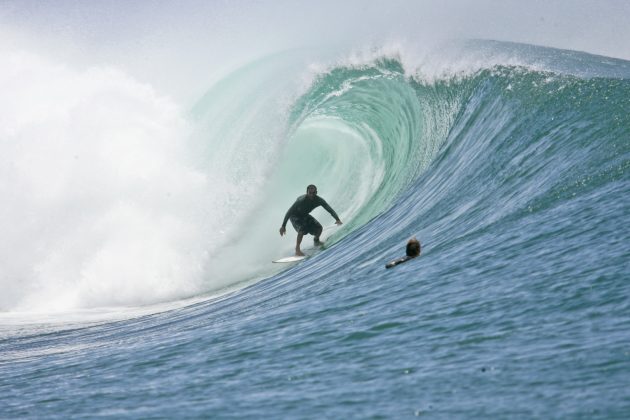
<point x="311" y="191"/>
<point x="413" y="247"/>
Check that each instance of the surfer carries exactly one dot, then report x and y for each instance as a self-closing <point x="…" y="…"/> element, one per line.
<point x="302" y="221"/>
<point x="413" y="250"/>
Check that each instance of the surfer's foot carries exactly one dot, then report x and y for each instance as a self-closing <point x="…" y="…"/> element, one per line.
<point x="317" y="242"/>
<point x="299" y="253"/>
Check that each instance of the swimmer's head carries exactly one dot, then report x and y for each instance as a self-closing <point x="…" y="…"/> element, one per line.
<point x="413" y="247"/>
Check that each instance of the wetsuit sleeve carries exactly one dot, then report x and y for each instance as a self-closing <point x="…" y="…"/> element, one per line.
<point x="329" y="209"/>
<point x="289" y="213"/>
<point x="398" y="261"/>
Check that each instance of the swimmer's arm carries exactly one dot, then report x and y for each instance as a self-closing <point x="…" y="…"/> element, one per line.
<point x="398" y="261"/>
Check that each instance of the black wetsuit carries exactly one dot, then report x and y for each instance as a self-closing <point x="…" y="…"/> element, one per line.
<point x="301" y="220"/>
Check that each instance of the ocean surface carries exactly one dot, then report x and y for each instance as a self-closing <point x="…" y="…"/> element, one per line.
<point x="138" y="282"/>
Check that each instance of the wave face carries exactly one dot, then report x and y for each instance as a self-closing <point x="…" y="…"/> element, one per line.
<point x="515" y="176"/>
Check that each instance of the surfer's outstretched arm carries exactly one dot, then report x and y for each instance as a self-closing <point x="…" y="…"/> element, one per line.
<point x="283" y="228"/>
<point x="329" y="209"/>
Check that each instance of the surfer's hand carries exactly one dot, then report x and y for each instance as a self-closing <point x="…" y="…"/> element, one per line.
<point x="282" y="231"/>
<point x="338" y="222"/>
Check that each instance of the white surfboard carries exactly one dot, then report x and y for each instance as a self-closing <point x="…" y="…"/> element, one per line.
<point x="293" y="258"/>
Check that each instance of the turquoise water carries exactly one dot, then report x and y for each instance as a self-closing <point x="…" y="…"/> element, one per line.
<point x="515" y="178"/>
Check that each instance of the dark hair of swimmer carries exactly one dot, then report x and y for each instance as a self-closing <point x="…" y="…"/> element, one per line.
<point x="413" y="247"/>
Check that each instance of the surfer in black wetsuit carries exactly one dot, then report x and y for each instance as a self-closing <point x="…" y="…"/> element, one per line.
<point x="302" y="221"/>
<point x="412" y="251"/>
